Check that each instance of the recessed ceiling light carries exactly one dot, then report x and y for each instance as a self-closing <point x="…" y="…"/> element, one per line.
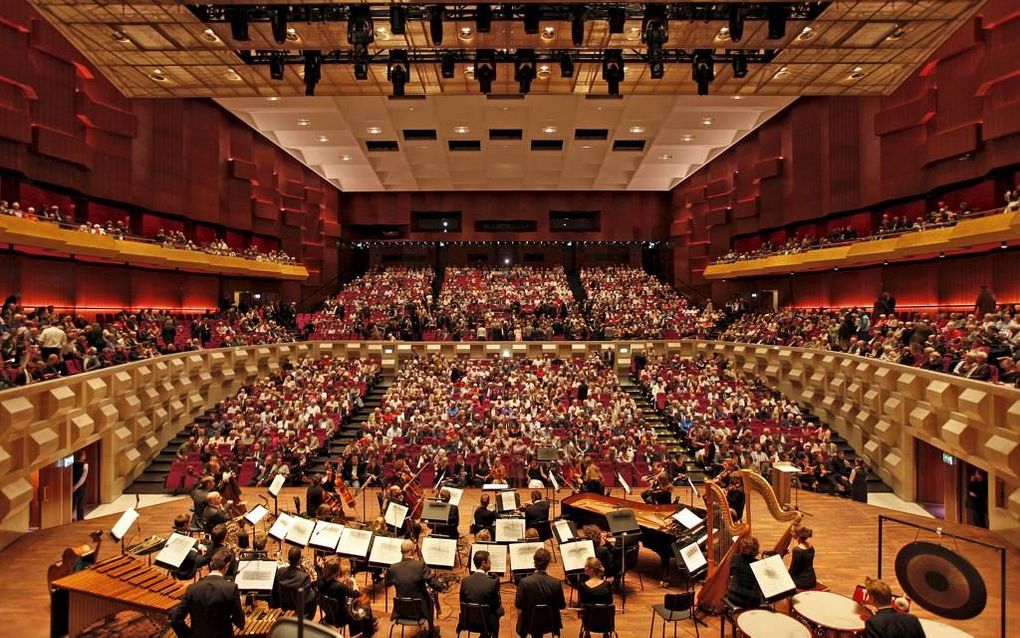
<point x="465" y="33"/>
<point x="586" y="146"/>
<point x="857" y="73"/>
<point x="896" y="34"/>
<point x="665" y="156"/>
<point x="543" y="71"/>
<point x="781" y="73"/>
<point x="345" y="158"/>
<point x="210" y="36"/>
<point x="548" y="33"/>
<point x="322" y="138"/>
<point x="119" y="36"/>
<point x="469" y="70"/>
<point x="373" y="130"/>
<point x="304" y="121"/>
<point x="687" y="137"/>
<point x="273" y="98"/>
<point x="506" y="108"/>
<point x="157" y="75"/>
<point x="549" y="129"/>
<point x="626" y="69"/>
<point x="634" y="33"/>
<point x="806" y="34"/>
<point x="637" y="129"/>
<point x="708" y="120"/>
<point x="232" y="75"/>
<point x="737" y="97"/>
<point x="724" y="34"/>
<point x="292" y="35"/>
<point x="382" y="33"/>
<point x="460" y="130"/>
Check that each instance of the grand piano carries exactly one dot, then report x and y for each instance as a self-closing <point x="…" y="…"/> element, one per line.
<point x="659" y="532"/>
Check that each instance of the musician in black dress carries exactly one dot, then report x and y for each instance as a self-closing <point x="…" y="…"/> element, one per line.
<point x="859" y="482"/>
<point x="537" y="474"/>
<point x="595" y="590"/>
<point x="802" y="560"/>
<point x="336" y="583"/>
<point x="744" y="591"/>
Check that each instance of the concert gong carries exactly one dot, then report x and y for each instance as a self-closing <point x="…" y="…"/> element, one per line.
<point x="940" y="580"/>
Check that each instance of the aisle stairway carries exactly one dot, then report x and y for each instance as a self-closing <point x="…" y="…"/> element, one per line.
<point x="576" y="287"/>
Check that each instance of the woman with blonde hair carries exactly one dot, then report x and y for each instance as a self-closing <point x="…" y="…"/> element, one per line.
<point x="595" y="590"/>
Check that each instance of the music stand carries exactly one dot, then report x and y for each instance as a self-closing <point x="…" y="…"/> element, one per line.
<point x="123" y="526"/>
<point x="773" y="578"/>
<point x="546" y="454"/>
<point x="274" y="490"/>
<point x="624" y="526"/>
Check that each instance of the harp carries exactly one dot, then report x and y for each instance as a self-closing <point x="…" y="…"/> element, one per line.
<point x="763" y="516"/>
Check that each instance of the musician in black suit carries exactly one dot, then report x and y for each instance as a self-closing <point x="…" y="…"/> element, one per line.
<point x="213" y="604"/>
<point x="214" y="513"/>
<point x="537" y="511"/>
<point x="744" y="591"/>
<point x="200" y="495"/>
<point x="412" y="578"/>
<point x="887" y="622"/>
<point x="288" y="580"/>
<point x="484" y="517"/>
<point x="314" y="496"/>
<point x="218" y="538"/>
<point x="539" y="589"/>
<point x="481" y="589"/>
<point x="453" y="522"/>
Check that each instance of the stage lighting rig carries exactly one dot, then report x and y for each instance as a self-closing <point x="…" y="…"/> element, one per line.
<point x="578" y="12"/>
<point x="612" y="69"/>
<point x="276" y="65"/>
<point x="655" y="29"/>
<point x="703" y="69"/>
<point x="736" y="22"/>
<point x="532" y="19"/>
<point x="447" y="64"/>
<point x="398" y="71"/>
<point x="313" y="70"/>
<point x="739" y="63"/>
<point x="437" y="13"/>
<point x="524" y="70"/>
<point x="485" y="69"/>
<point x="775" y="14"/>
<point x="617" y="18"/>
<point x="238" y="18"/>
<point x="398" y="19"/>
<point x="483" y="18"/>
<point x="361" y="69"/>
<point x="566" y="66"/>
<point x="360" y="28"/>
<point x="656" y="68"/>
<point x="278" y="23"/>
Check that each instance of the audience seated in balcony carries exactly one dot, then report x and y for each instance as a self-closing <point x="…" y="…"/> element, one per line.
<point x="391" y="303"/>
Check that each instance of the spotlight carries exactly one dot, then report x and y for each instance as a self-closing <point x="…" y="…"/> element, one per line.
<point x="703" y="69"/>
<point x="656" y="68"/>
<point x="278" y="23"/>
<point x="612" y="70"/>
<point x="360" y="30"/>
<point x="566" y="66"/>
<point x="398" y="71"/>
<point x="313" y="70"/>
<point x="655" y="28"/>
<point x="446" y="65"/>
<point x="739" y="65"/>
<point x="577" y="14"/>
<point x="485" y="69"/>
<point x="617" y="16"/>
<point x="436" y="14"/>
<point x="776" y="16"/>
<point x="483" y="18"/>
<point x="276" y="66"/>
<point x="360" y="70"/>
<point x="531" y="19"/>
<point x="736" y="22"/>
<point x="238" y="17"/>
<point x="398" y="19"/>
<point x="524" y="69"/>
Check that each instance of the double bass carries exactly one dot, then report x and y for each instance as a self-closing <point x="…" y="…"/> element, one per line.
<point x="75" y="559"/>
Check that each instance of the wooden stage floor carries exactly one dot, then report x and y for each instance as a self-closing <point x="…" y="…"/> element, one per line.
<point x="845" y="537"/>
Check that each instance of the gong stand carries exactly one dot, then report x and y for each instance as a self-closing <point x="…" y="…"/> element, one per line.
<point x="932" y="552"/>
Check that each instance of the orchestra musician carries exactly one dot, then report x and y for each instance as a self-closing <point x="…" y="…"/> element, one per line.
<point x="537" y="511"/>
<point x="189" y="566"/>
<point x="353" y="611"/>
<point x="539" y="589"/>
<point x="314" y="496"/>
<point x="498" y="472"/>
<point x="660" y="487"/>
<point x="481" y="589"/>
<point x="215" y="512"/>
<point x="593" y="481"/>
<point x="288" y="580"/>
<point x="200" y="496"/>
<point x="887" y="622"/>
<point x="218" y="538"/>
<point x="353" y="471"/>
<point x="802" y="560"/>
<point x="604" y="544"/>
<point x="453" y="522"/>
<point x="412" y="578"/>
<point x="537" y="476"/>
<point x="744" y="591"/>
<point x="482" y="471"/>
<point x="484" y="518"/>
<point x="213" y="605"/>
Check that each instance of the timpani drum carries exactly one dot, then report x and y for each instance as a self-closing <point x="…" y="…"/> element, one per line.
<point x="933" y="629"/>
<point x="830" y="615"/>
<point x="761" y="623"/>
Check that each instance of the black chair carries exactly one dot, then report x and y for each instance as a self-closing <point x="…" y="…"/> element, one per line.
<point x="674" y="609"/>
<point x="407" y="612"/>
<point x="540" y="620"/>
<point x="598" y="619"/>
<point x="474" y="619"/>
<point x="297" y="506"/>
<point x="545" y="534"/>
<point x="331" y="612"/>
<point x="290" y="600"/>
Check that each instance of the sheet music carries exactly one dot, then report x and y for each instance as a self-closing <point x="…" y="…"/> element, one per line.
<point x="300" y="531"/>
<point x="687" y="518"/>
<point x="440" y="553"/>
<point x="623" y="484"/>
<point x="495" y="486"/>
<point x="124" y="523"/>
<point x="773" y="577"/>
<point x="256" y="514"/>
<point x="256" y="575"/>
<point x="507" y="501"/>
<point x="497" y="557"/>
<point x="576" y="554"/>
<point x="280" y="527"/>
<point x="509" y="530"/>
<point x="522" y="556"/>
<point x="455" y="495"/>
<point x="564" y="533"/>
<point x="326" y="535"/>
<point x="354" y="542"/>
<point x="175" y="550"/>
<point x="385" y="551"/>
<point x="552" y="479"/>
<point x="395" y="514"/>
<point x="277" y="485"/>
<point x="693" y="558"/>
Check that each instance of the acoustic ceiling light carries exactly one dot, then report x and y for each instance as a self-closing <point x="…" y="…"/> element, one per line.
<point x="273" y="98"/>
<point x="687" y="137"/>
<point x="322" y="139"/>
<point x="723" y="35"/>
<point x="735" y="23"/>
<point x="383" y="34"/>
<point x="119" y="36"/>
<point x="807" y="33"/>
<point x="781" y="73"/>
<point x="548" y="33"/>
<point x="549" y="130"/>
<point x="665" y="156"/>
<point x="708" y="120"/>
<point x="292" y="35"/>
<point x="398" y="71"/>
<point x="304" y="121"/>
<point x="238" y="18"/>
<point x="373" y="130"/>
<point x="857" y="74"/>
<point x="896" y="33"/>
<point x="232" y="75"/>
<point x="543" y="71"/>
<point x="465" y="33"/>
<point x="634" y="34"/>
<point x="278" y="22"/>
<point x="158" y="75"/>
<point x="637" y="130"/>
<point x="208" y="35"/>
<point x="460" y="130"/>
<point x="345" y="158"/>
<point x="398" y="19"/>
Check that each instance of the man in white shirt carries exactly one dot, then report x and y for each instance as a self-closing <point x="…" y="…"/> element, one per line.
<point x="52" y="340"/>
